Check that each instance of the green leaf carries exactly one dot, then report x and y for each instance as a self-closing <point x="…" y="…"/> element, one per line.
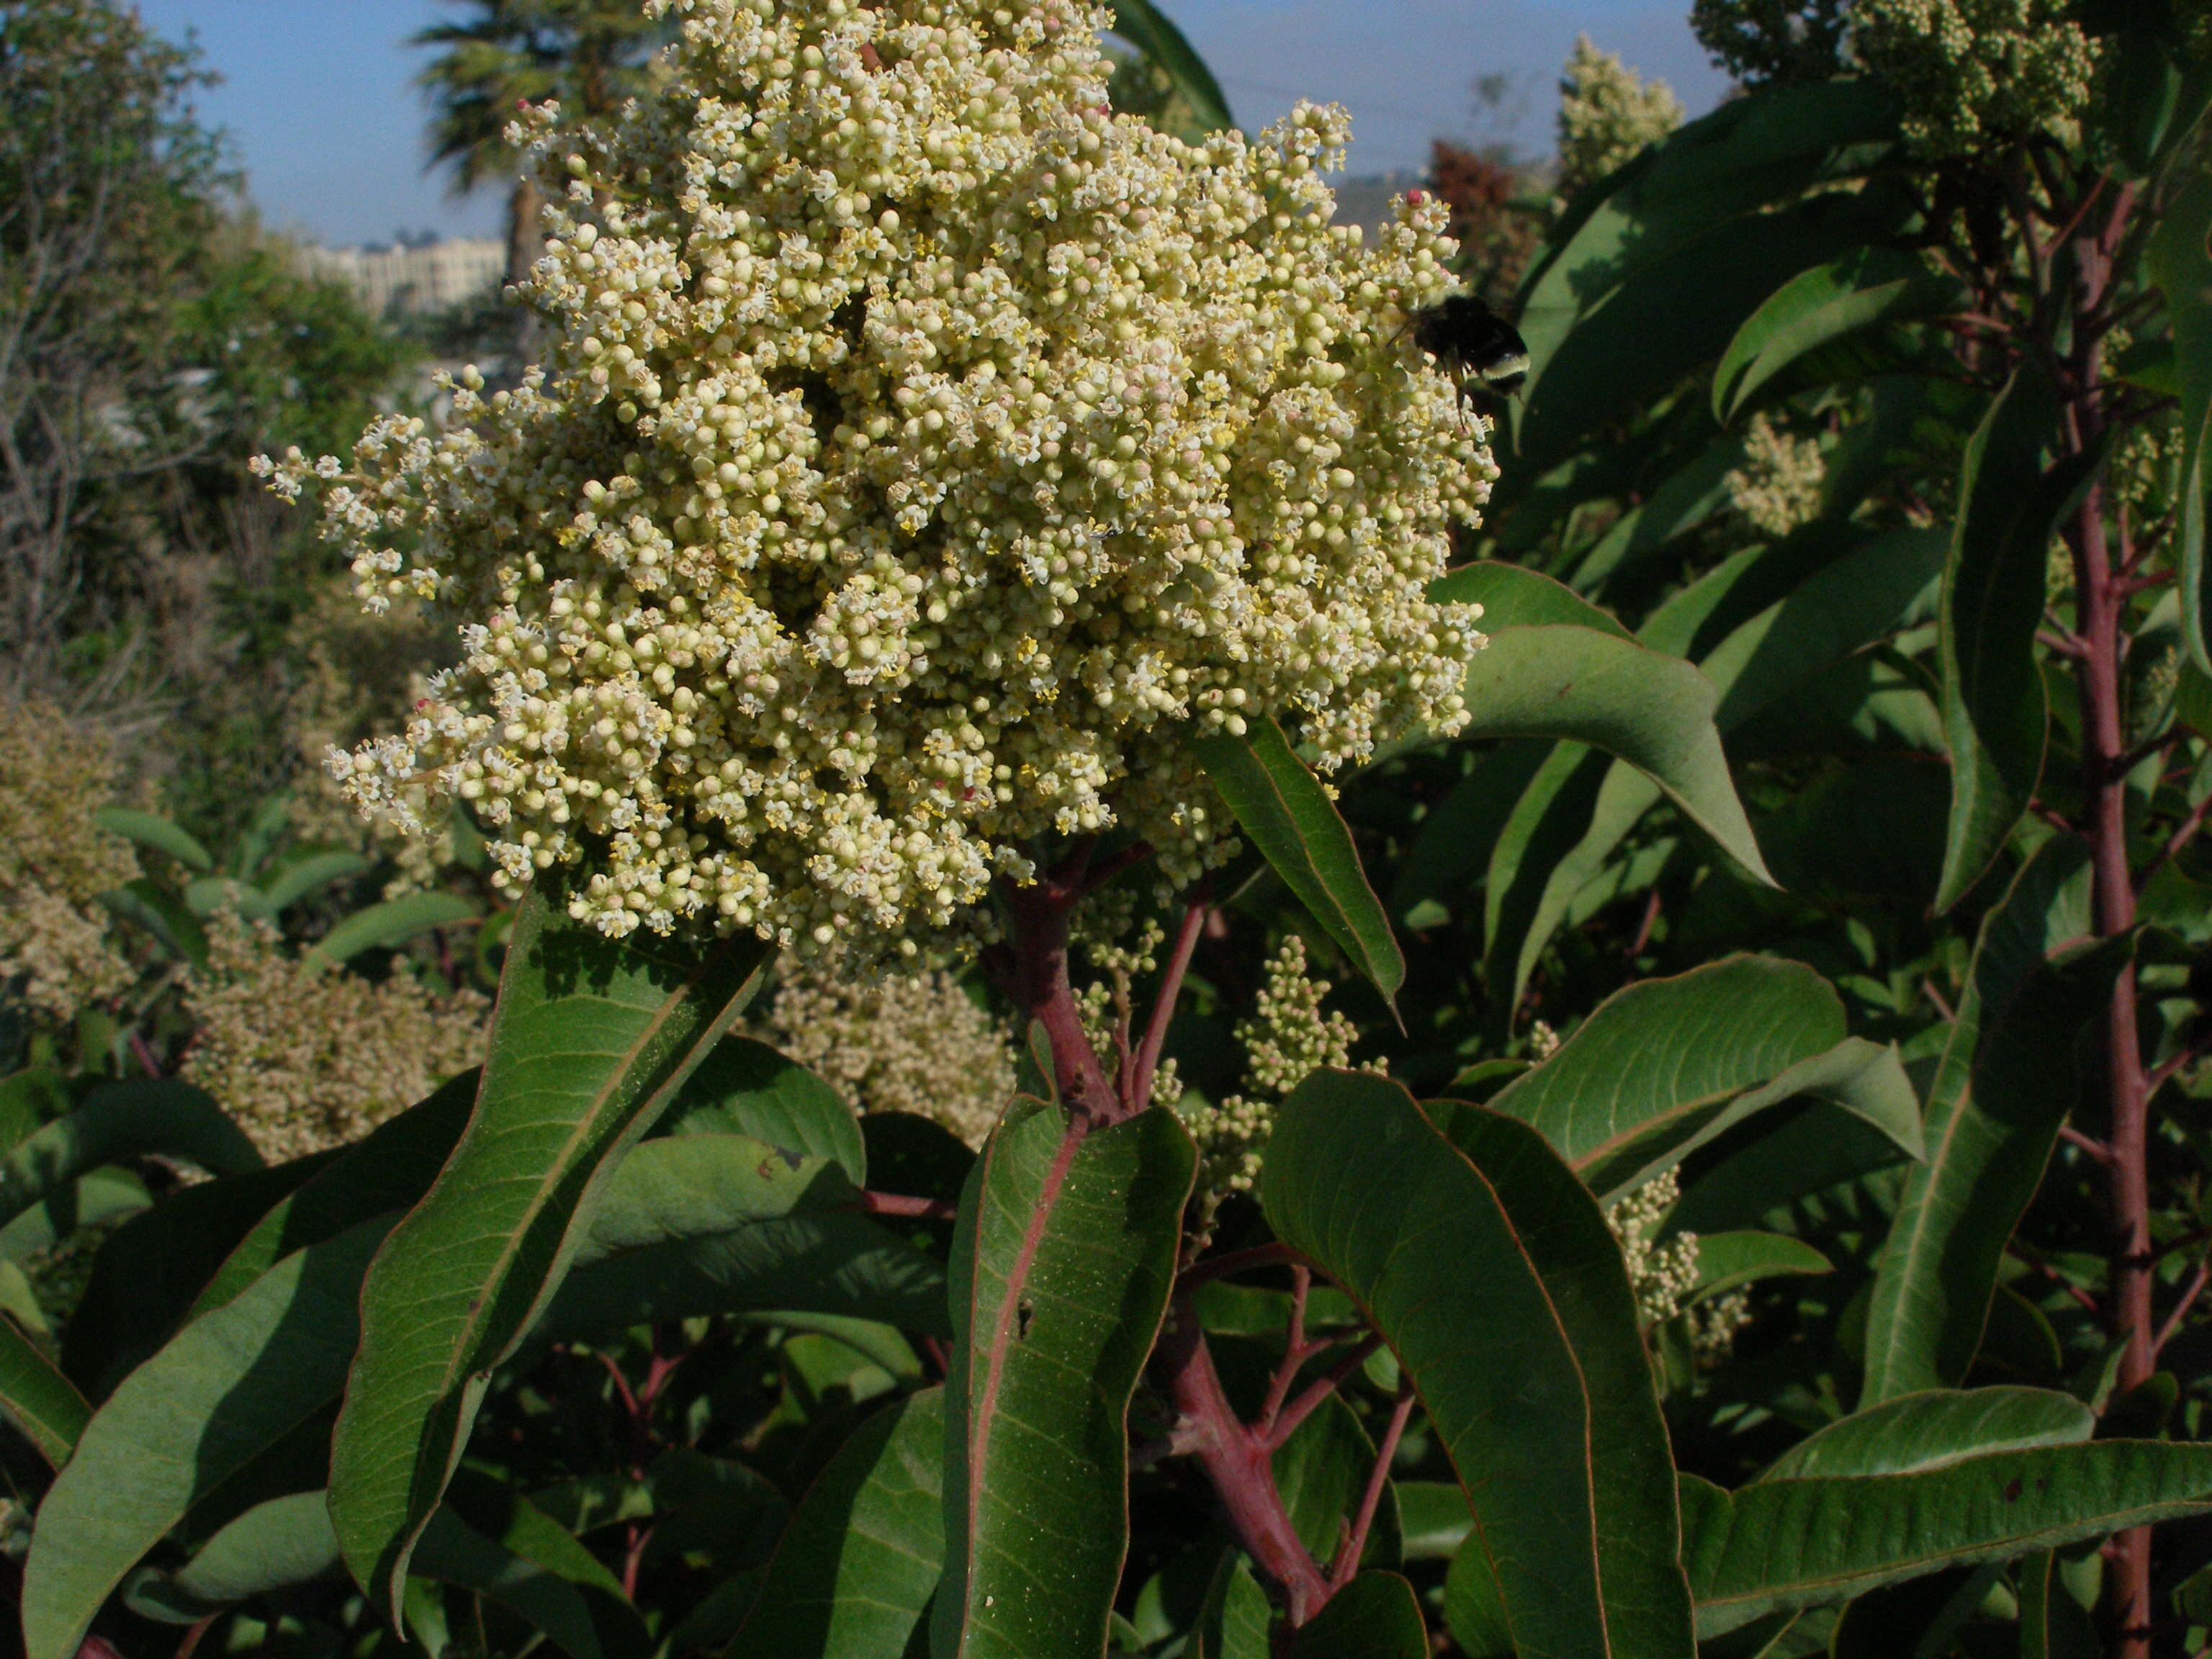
<point x="1435" y="1517"/>
<point x="695" y="1186"/>
<point x="454" y="1552"/>
<point x="226" y="1387"/>
<point x="821" y="1264"/>
<point x="2052" y="1624"/>
<point x="1726" y="1261"/>
<point x="388" y="926"/>
<point x="286" y="1541"/>
<point x="1236" y="1620"/>
<point x="2010" y="1072"/>
<point x="1473" y="1608"/>
<point x="1512" y="596"/>
<point x="1994" y="707"/>
<point x="1321" y="1472"/>
<point x="147" y="1273"/>
<point x="592" y="1040"/>
<point x="38" y="1399"/>
<point x="309" y="873"/>
<point x="1866" y="287"/>
<point x="388" y="1170"/>
<point x="163" y="915"/>
<point x="1770" y="146"/>
<point x="1783" y="1544"/>
<point x="745" y="1087"/>
<point x="1662" y="1066"/>
<point x="1376" y="1616"/>
<point x="1145" y="27"/>
<point x="860" y="1559"/>
<point x="2179" y="262"/>
<point x="1290" y="817"/>
<point x="1892" y="581"/>
<point x="1689" y="496"/>
<point x="1931" y="1431"/>
<point x="104" y="1199"/>
<point x="1679" y="309"/>
<point x="1550" y="1420"/>
<point x="120" y="1119"/>
<point x="1652" y="711"/>
<point x="1061" y="1266"/>
<point x="153" y="831"/>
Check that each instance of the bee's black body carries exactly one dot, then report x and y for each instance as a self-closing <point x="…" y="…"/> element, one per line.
<point x="1479" y="347"/>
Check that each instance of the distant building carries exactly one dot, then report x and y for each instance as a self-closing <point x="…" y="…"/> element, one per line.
<point x="1366" y="202"/>
<point x="415" y="277"/>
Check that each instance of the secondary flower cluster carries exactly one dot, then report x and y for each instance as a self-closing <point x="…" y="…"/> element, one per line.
<point x="897" y="1043"/>
<point x="1607" y="114"/>
<point x="924" y="453"/>
<point x="1967" y="73"/>
<point x="1288" y="1038"/>
<point x="1781" y="484"/>
<point x="304" y="1056"/>
<point x="56" y="955"/>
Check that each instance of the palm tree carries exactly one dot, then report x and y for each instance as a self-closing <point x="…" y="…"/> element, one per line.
<point x="589" y="54"/>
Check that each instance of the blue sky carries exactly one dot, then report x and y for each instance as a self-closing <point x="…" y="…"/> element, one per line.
<point x="319" y="99"/>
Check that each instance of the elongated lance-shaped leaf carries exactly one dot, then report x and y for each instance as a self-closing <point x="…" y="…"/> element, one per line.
<point x="1994" y="707"/>
<point x="156" y="1114"/>
<point x="1513" y="595"/>
<point x="227" y="1387"/>
<point x="2179" y="260"/>
<point x="1146" y="28"/>
<point x="2011" y="1069"/>
<point x="1918" y="1431"/>
<point x="1653" y="711"/>
<point x="38" y="1399"/>
<point x="1665" y="1064"/>
<point x="1783" y="1544"/>
<point x="745" y="1087"/>
<point x="1726" y="1261"/>
<point x="393" y="923"/>
<point x="152" y="831"/>
<point x="1681" y="308"/>
<point x="1890" y="582"/>
<point x="1060" y="1271"/>
<point x="591" y="1039"/>
<point x="388" y="1170"/>
<point x="705" y="1223"/>
<point x="1550" y="1418"/>
<point x="147" y="1273"/>
<point x="1289" y="817"/>
<point x="860" y="1559"/>
<point x="1867" y="287"/>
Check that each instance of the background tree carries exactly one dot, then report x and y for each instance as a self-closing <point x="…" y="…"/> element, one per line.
<point x="589" y="55"/>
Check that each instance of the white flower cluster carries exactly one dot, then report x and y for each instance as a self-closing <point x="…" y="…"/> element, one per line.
<point x="1608" y="114"/>
<point x="1661" y="1275"/>
<point x="910" y="1042"/>
<point x="925" y="450"/>
<point x="1286" y="1040"/>
<point x="1779" y="487"/>
<point x="304" y="1056"/>
<point x="1969" y="74"/>
<point x="56" y="955"/>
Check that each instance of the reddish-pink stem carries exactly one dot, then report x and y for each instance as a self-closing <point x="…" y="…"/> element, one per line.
<point x="2195" y="1288"/>
<point x="1240" y="1471"/>
<point x="1041" y="992"/>
<point x="925" y="1209"/>
<point x="1306" y="1403"/>
<point x="1137" y="1081"/>
<point x="1355" y="1545"/>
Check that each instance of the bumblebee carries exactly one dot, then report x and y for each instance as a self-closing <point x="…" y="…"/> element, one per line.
<point x="1479" y="348"/>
